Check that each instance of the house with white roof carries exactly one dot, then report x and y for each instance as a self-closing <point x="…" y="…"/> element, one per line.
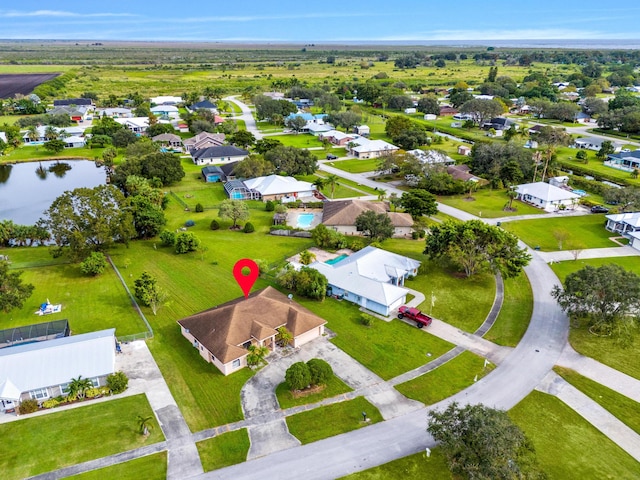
<point x="41" y="370"/>
<point x="165" y="100"/>
<point x="137" y="125"/>
<point x="74" y="141"/>
<point x="365" y="148"/>
<point x="115" y="112"/>
<point x="337" y="137"/>
<point x="371" y="278"/>
<point x="546" y="197"/>
<point x="594" y="143"/>
<point x="278" y="188"/>
<point x="167" y="112"/>
<point x="432" y="157"/>
<point x="627" y="161"/>
<point x="623" y="223"/>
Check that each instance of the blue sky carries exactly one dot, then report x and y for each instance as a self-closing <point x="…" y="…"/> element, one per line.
<point x="324" y="21"/>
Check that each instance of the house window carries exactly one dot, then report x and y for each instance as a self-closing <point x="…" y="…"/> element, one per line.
<point x="95" y="382"/>
<point x="247" y="344"/>
<point x="64" y="388"/>
<point x="213" y="359"/>
<point x="39" y="394"/>
<point x="236" y="363"/>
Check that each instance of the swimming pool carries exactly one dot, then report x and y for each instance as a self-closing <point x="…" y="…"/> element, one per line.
<point x="336" y="260"/>
<point x="305" y="219"/>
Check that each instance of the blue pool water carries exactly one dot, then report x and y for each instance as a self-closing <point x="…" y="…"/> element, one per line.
<point x="582" y="193"/>
<point x="336" y="260"/>
<point x="305" y="219"/>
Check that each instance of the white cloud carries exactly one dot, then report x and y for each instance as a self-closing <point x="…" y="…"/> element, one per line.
<point x="59" y="14"/>
<point x="258" y="18"/>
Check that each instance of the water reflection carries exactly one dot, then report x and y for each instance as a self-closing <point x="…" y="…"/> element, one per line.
<point x="5" y="172"/>
<point x="60" y="169"/>
<point x="42" y="172"/>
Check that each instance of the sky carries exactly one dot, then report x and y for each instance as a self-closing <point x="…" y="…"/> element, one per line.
<point x="378" y="21"/>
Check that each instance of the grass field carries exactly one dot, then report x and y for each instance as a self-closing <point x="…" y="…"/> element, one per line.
<point x="334" y="387"/>
<point x="621" y="407"/>
<point x="567" y="446"/>
<point x="151" y="467"/>
<point x="446" y="380"/>
<point x="340" y="190"/>
<point x="413" y="467"/>
<point x="224" y="450"/>
<point x="40" y="153"/>
<point x="515" y="314"/>
<point x="585" y="231"/>
<point x="301" y="140"/>
<point x="75" y="436"/>
<point x="355" y="165"/>
<point x="489" y="204"/>
<point x="312" y="425"/>
<point x="89" y="303"/>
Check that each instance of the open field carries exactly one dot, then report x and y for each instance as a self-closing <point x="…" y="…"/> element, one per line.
<point x="21" y="83"/>
<point x="151" y="467"/>
<point x="585" y="231"/>
<point x="489" y="204"/>
<point x="567" y="446"/>
<point x="224" y="450"/>
<point x="312" y="425"/>
<point x="75" y="436"/>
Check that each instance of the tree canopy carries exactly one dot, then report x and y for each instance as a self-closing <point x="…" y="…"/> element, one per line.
<point x="607" y="297"/>
<point x="13" y="292"/>
<point x="482" y="443"/>
<point x="419" y="202"/>
<point x="376" y="226"/>
<point x="475" y="247"/>
<point x="292" y="160"/>
<point x="234" y="210"/>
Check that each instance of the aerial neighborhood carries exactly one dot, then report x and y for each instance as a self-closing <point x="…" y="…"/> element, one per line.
<point x="216" y="268"/>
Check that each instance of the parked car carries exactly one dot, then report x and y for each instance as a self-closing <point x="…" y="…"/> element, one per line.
<point x="599" y="209"/>
<point x="331" y="157"/>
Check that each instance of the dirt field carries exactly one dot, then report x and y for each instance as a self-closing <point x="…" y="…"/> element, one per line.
<point x="22" y="83"/>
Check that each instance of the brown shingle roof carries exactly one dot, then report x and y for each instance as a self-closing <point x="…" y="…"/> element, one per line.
<point x="345" y="212"/>
<point x="222" y="330"/>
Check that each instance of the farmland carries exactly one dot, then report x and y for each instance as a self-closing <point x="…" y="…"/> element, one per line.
<point x="22" y="83"/>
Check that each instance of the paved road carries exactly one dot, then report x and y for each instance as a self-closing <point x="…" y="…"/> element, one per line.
<point x="246" y="116"/>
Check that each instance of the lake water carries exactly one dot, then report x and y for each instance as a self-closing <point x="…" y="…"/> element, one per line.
<point x="28" y="189"/>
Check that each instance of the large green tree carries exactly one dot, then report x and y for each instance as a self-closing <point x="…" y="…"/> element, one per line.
<point x="376" y="226"/>
<point x="88" y="219"/>
<point x="475" y="246"/>
<point x="481" y="109"/>
<point x="419" y="202"/>
<point x="234" y="210"/>
<point x="253" y="166"/>
<point x="13" y="292"/>
<point x="607" y="297"/>
<point x="292" y="160"/>
<point x="483" y="443"/>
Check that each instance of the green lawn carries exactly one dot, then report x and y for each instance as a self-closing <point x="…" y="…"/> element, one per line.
<point x="356" y="165"/>
<point x="585" y="231"/>
<point x="89" y="303"/>
<point x="413" y="467"/>
<point x="224" y="450"/>
<point x="566" y="158"/>
<point x="59" y="439"/>
<point x="340" y="190"/>
<point x="489" y="204"/>
<point x="334" y="387"/>
<point x="151" y="467"/>
<point x="386" y="348"/>
<point x="350" y="183"/>
<point x="312" y="425"/>
<point x="515" y="314"/>
<point x="603" y="349"/>
<point x="568" y="446"/>
<point x="621" y="407"/>
<point x="40" y="153"/>
<point x="301" y="140"/>
<point x="446" y="380"/>
<point x="462" y="302"/>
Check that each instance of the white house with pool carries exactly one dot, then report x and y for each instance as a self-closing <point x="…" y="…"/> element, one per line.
<point x="371" y="278"/>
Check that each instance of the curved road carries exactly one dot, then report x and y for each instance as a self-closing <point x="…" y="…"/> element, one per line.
<point x="518" y="375"/>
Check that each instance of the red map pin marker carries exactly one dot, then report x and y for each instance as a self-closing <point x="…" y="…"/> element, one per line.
<point x="246" y="281"/>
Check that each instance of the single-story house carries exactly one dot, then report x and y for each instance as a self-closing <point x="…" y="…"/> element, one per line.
<point x="499" y="123"/>
<point x="593" y="143"/>
<point x="212" y="174"/>
<point x="336" y="137"/>
<point x="223" y="334"/>
<point x="372" y="278"/>
<point x="432" y="157"/>
<point x="317" y="129"/>
<point x="627" y="161"/>
<point x="341" y="215"/>
<point x="75" y="114"/>
<point x="166" y="111"/>
<point x="41" y="370"/>
<point x="137" y="125"/>
<point x="362" y="130"/>
<point x="462" y="117"/>
<point x="117" y="112"/>
<point x="560" y="182"/>
<point x="284" y="189"/>
<point x="169" y="140"/>
<point x="219" y="154"/>
<point x="229" y="171"/>
<point x="623" y="223"/>
<point x="463" y="172"/>
<point x="74" y="141"/>
<point x="447" y="110"/>
<point x="165" y="100"/>
<point x="582" y="117"/>
<point x="77" y="102"/>
<point x="545" y="196"/>
<point x="203" y="140"/>
<point x="634" y="238"/>
<point x="366" y="148"/>
<point x="204" y="105"/>
<point x="535" y="129"/>
<point x="464" y="150"/>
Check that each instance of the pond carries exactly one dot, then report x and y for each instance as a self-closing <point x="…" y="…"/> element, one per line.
<point x="28" y="189"/>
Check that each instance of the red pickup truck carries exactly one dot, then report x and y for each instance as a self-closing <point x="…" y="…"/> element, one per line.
<point x="416" y="315"/>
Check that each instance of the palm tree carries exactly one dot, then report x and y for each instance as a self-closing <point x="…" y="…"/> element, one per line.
<point x="78" y="386"/>
<point x="284" y="337"/>
<point x="306" y="257"/>
<point x="320" y="183"/>
<point x="382" y="193"/>
<point x="32" y="133"/>
<point x="256" y="355"/>
<point x="332" y="181"/>
<point x="144" y="424"/>
<point x="51" y="133"/>
<point x="512" y="194"/>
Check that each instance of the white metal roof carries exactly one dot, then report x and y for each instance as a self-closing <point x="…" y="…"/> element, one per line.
<point x="631" y="218"/>
<point x="373" y="146"/>
<point x="275" y="185"/>
<point x="54" y="362"/>
<point x="545" y="192"/>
